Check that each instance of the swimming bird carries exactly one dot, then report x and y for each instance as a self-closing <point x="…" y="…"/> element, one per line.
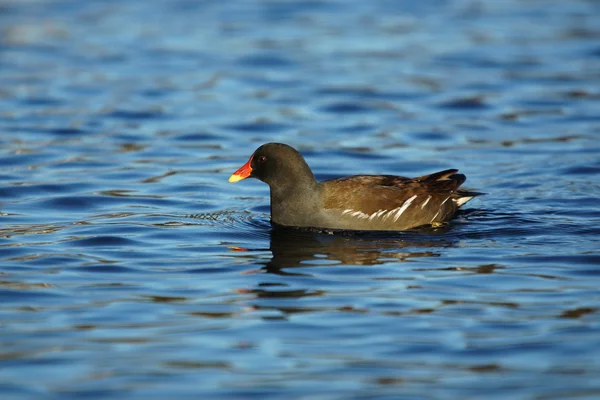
<point x="360" y="202"/>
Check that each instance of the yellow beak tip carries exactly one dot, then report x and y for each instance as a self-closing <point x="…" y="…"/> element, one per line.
<point x="235" y="178"/>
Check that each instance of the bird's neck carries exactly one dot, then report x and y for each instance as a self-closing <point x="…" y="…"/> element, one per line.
<point x="294" y="203"/>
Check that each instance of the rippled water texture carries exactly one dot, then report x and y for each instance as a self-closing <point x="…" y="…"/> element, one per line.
<point x="130" y="268"/>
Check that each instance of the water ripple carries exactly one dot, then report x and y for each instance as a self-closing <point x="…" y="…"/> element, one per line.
<point x="130" y="268"/>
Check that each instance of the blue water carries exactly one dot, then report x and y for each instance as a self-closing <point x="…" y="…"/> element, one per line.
<point x="130" y="268"/>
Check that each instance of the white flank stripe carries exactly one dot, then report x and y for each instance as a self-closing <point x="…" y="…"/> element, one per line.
<point x="462" y="200"/>
<point x="376" y="214"/>
<point x="434" y="217"/>
<point x="359" y="214"/>
<point x="385" y="214"/>
<point x="356" y="214"/>
<point x="388" y="213"/>
<point x="444" y="202"/>
<point x="406" y="204"/>
<point x="425" y="202"/>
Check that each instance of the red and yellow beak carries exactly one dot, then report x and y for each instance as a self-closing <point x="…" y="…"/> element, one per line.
<point x="242" y="173"/>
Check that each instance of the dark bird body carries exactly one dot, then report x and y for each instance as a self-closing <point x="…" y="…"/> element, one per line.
<point x="360" y="202"/>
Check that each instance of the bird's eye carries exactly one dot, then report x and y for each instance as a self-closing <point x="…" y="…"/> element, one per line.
<point x="262" y="159"/>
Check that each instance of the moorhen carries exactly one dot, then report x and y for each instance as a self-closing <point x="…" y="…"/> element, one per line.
<point x="361" y="202"/>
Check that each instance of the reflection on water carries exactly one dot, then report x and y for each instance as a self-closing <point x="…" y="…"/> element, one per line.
<point x="295" y="249"/>
<point x="292" y="248"/>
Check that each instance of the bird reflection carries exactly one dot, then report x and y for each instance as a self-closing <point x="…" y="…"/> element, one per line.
<point x="296" y="248"/>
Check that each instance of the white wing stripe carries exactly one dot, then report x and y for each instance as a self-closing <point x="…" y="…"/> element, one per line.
<point x="460" y="201"/>
<point x="384" y="214"/>
<point x="359" y="214"/>
<point x="425" y="202"/>
<point x="406" y="204"/>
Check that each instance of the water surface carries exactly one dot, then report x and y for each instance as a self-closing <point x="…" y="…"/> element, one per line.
<point x="130" y="268"/>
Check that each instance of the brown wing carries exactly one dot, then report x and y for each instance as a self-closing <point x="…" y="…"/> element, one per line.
<point x="419" y="201"/>
<point x="367" y="193"/>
